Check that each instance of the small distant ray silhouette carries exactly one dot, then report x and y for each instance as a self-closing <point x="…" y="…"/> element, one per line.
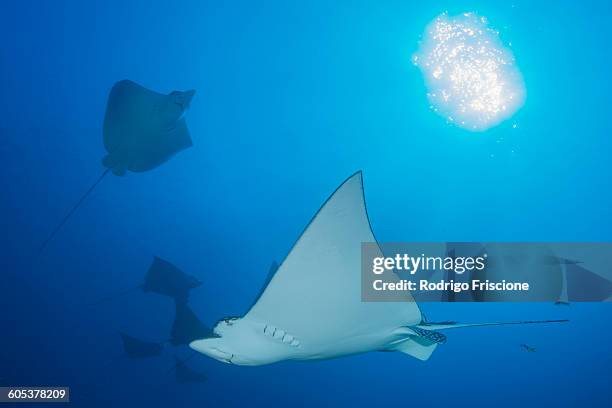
<point x="163" y="278"/>
<point x="528" y="349"/>
<point x="185" y="374"/>
<point x="137" y="348"/>
<point x="166" y="279"/>
<point x="187" y="327"/>
<point x="142" y="130"/>
<point x="584" y="285"/>
<point x="580" y="283"/>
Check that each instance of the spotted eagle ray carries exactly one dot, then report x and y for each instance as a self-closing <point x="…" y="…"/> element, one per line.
<point x="312" y="308"/>
<point x="142" y="130"/>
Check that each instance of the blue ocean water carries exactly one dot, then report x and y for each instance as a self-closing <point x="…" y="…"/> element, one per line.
<point x="291" y="99"/>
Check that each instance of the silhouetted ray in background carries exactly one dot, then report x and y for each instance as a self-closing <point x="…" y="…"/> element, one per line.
<point x="163" y="278"/>
<point x="142" y="130"/>
<point x="187" y="327"/>
<point x="184" y="374"/>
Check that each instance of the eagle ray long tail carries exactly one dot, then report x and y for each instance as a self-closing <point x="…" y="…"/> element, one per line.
<point x="72" y="210"/>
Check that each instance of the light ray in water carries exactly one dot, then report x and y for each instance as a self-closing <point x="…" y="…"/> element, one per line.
<point x="472" y="78"/>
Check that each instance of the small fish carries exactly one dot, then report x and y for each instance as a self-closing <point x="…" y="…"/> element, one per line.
<point x="528" y="349"/>
<point x="561" y="303"/>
